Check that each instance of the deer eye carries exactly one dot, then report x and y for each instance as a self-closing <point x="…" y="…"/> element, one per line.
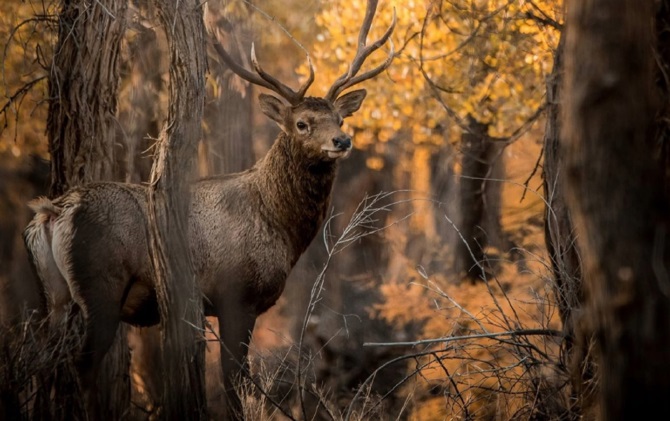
<point x="301" y="125"/>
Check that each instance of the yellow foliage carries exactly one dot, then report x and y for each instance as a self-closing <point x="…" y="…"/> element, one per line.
<point x="487" y="57"/>
<point x="26" y="40"/>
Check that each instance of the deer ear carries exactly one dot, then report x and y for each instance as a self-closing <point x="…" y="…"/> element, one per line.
<point x="273" y="108"/>
<point x="350" y="102"/>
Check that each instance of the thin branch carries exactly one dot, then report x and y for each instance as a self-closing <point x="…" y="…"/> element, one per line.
<point x="21" y="91"/>
<point x="513" y="333"/>
<point x="545" y="19"/>
<point x="532" y="173"/>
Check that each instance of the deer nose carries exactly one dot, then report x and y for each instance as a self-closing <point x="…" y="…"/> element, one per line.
<point x="342" y="142"/>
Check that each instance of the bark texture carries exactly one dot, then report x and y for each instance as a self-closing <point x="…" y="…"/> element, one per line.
<point x="83" y="91"/>
<point x="616" y="197"/>
<point x="179" y="298"/>
<point x="83" y="88"/>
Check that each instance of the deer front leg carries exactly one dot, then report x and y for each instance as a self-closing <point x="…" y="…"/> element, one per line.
<point x="235" y="326"/>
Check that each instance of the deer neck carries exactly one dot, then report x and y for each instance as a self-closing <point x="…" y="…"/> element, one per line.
<point x="295" y="188"/>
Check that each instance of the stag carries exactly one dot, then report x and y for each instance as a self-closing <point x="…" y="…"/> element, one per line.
<point x="246" y="230"/>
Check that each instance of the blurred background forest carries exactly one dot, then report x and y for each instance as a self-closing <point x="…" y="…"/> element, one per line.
<point x="441" y="298"/>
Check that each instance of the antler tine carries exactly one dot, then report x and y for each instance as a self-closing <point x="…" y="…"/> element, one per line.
<point x="261" y="78"/>
<point x="369" y="74"/>
<point x="303" y="89"/>
<point x="289" y="94"/>
<point x="240" y="70"/>
<point x="370" y="10"/>
<point x="362" y="53"/>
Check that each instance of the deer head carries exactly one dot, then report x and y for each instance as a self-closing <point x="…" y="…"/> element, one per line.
<point x="315" y="124"/>
<point x="311" y="122"/>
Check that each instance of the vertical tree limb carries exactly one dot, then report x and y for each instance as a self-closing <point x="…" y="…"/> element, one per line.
<point x="179" y="298"/>
<point x="479" y="205"/>
<point x="230" y="112"/>
<point x="562" y="247"/>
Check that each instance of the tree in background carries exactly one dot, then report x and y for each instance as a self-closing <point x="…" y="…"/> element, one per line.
<point x="463" y="69"/>
<point x="142" y="93"/>
<point x="229" y="121"/>
<point x="26" y="41"/>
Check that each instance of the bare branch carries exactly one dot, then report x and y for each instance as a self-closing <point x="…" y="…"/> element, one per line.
<point x="21" y="91"/>
<point x="17" y="97"/>
<point x="512" y="333"/>
<point x="545" y="19"/>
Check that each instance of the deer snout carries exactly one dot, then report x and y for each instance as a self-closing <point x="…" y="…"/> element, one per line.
<point x="342" y="142"/>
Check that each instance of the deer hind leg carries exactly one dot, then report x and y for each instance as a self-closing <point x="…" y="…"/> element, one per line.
<point x="93" y="288"/>
<point x="101" y="319"/>
<point x="55" y="294"/>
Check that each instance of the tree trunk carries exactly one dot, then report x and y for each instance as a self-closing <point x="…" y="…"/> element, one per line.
<point x="179" y="298"/>
<point x="562" y="246"/>
<point x="479" y="219"/>
<point x="663" y="87"/>
<point x="83" y="89"/>
<point x="229" y="141"/>
<point x="142" y="114"/>
<point x="559" y="230"/>
<point x="618" y="202"/>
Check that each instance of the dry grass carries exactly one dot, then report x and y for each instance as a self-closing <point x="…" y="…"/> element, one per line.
<point x="37" y="374"/>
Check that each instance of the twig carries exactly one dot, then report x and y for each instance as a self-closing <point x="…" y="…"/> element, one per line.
<point x="520" y="332"/>
<point x="21" y="91"/>
<point x="532" y="173"/>
<point x="361" y="224"/>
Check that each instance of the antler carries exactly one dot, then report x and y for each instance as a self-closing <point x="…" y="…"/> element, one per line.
<point x="350" y="78"/>
<point x="261" y="78"/>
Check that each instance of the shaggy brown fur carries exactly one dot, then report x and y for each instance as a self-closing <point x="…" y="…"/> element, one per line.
<point x="246" y="232"/>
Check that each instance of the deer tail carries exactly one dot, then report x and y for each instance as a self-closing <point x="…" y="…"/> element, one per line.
<point x="44" y="206"/>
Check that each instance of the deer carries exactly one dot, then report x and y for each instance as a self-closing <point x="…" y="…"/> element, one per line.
<point x="246" y="230"/>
